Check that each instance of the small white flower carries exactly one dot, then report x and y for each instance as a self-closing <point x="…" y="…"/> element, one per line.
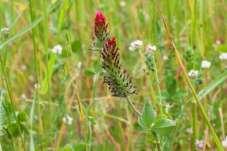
<point x="36" y="86"/>
<point x="165" y="57"/>
<point x="193" y="73"/>
<point x="189" y="130"/>
<point x="131" y="48"/>
<point x="79" y="64"/>
<point x="199" y="144"/>
<point x="23" y="96"/>
<point x="205" y="64"/>
<point x="57" y="49"/>
<point x="150" y="48"/>
<point x="218" y="42"/>
<point x="23" y="67"/>
<point x="5" y="30"/>
<point x="135" y="45"/>
<point x="122" y="3"/>
<point x="223" y="56"/>
<point x="67" y="119"/>
<point x="224" y="142"/>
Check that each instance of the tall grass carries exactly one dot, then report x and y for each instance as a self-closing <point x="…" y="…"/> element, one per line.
<point x="58" y="101"/>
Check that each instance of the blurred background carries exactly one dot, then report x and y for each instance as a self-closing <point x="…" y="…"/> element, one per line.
<point x="52" y="92"/>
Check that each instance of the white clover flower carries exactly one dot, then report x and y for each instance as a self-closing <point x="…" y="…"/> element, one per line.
<point x="23" y="96"/>
<point x="5" y="30"/>
<point x="223" y="56"/>
<point x="131" y="48"/>
<point x="23" y="67"/>
<point x="205" y="64"/>
<point x="189" y="130"/>
<point x="67" y="119"/>
<point x="199" y="144"/>
<point x="57" y="49"/>
<point x="79" y="64"/>
<point x="150" y="48"/>
<point x="165" y="57"/>
<point x="36" y="86"/>
<point x="122" y="3"/>
<point x="224" y="142"/>
<point x="193" y="73"/>
<point x="218" y="42"/>
<point x="135" y="45"/>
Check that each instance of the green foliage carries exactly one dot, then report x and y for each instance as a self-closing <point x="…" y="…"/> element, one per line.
<point x="31" y="118"/>
<point x="151" y="122"/>
<point x="148" y="116"/>
<point x="222" y="48"/>
<point x="12" y="123"/>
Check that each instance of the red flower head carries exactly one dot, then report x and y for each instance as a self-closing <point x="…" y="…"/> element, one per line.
<point x="110" y="53"/>
<point x="111" y="43"/>
<point x="100" y="26"/>
<point x="100" y="19"/>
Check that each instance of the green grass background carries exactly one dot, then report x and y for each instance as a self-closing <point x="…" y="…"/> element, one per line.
<point x="102" y="122"/>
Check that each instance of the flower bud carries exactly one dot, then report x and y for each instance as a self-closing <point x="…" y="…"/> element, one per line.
<point x="100" y="26"/>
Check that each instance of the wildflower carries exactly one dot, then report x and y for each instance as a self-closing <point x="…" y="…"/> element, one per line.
<point x="165" y="57"/>
<point x="135" y="45"/>
<point x="23" y="96"/>
<point x="36" y="86"/>
<point x="218" y="42"/>
<point x="205" y="64"/>
<point x="193" y="73"/>
<point x="200" y="144"/>
<point x="150" y="48"/>
<point x="122" y="3"/>
<point x="23" y="67"/>
<point x="79" y="65"/>
<point x="117" y="80"/>
<point x="223" y="56"/>
<point x="100" y="26"/>
<point x="57" y="49"/>
<point x="224" y="142"/>
<point x="67" y="119"/>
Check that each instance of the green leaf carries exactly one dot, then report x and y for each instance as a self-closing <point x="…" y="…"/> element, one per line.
<point x="89" y="72"/>
<point x="219" y="80"/>
<point x="163" y="126"/>
<point x="164" y="123"/>
<point x="48" y="74"/>
<point x="222" y="48"/>
<point x="76" y="46"/>
<point x="148" y="116"/>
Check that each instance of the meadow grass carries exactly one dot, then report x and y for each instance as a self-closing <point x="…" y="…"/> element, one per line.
<point x="52" y="92"/>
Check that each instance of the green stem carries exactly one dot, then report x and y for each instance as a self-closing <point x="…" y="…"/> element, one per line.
<point x="133" y="107"/>
<point x="197" y="101"/>
<point x="36" y="63"/>
<point x="216" y="139"/>
<point x="158" y="84"/>
<point x="6" y="81"/>
<point x="194" y="125"/>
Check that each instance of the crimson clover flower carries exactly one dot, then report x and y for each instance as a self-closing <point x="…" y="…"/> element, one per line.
<point x="100" y="26"/>
<point x="117" y="79"/>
